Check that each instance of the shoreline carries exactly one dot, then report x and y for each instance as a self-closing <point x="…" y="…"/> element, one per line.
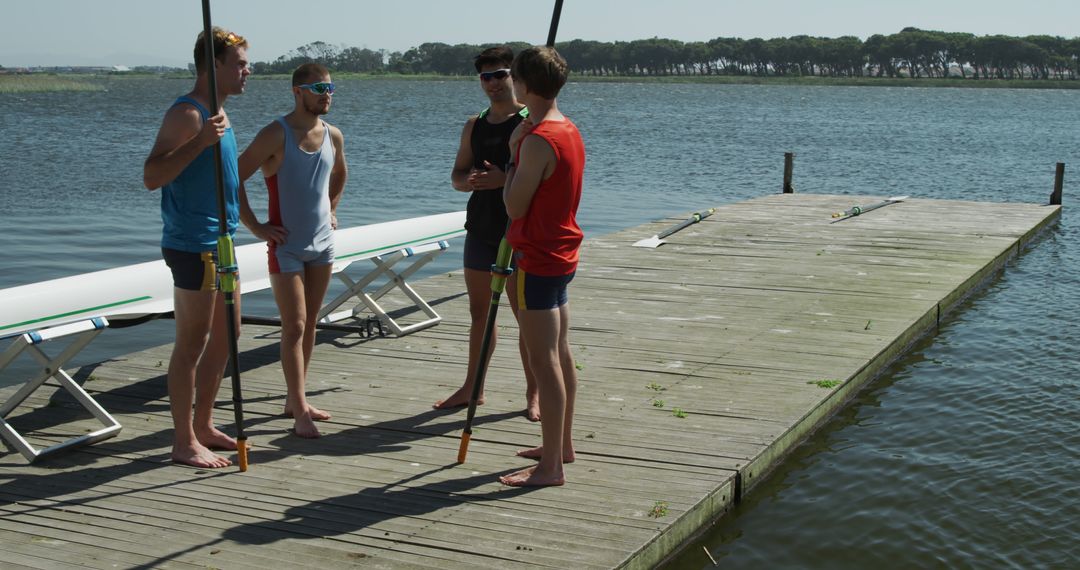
<point x="94" y="82"/>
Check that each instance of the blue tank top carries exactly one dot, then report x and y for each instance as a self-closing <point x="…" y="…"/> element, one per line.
<point x="300" y="194"/>
<point x="189" y="207"/>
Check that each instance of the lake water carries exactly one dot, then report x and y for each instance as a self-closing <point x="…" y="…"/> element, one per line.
<point x="966" y="454"/>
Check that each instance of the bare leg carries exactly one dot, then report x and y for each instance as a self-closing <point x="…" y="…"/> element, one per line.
<point x="289" y="294"/>
<point x="569" y="373"/>
<point x="478" y="285"/>
<point x="543" y="331"/>
<point x="208" y="376"/>
<point x="316" y="281"/>
<point x="532" y="397"/>
<point x="194" y="312"/>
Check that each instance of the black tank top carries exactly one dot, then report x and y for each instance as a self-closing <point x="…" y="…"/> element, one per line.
<point x="485" y="216"/>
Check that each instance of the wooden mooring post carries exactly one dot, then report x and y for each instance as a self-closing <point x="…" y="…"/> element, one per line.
<point x="789" y="165"/>
<point x="1059" y="179"/>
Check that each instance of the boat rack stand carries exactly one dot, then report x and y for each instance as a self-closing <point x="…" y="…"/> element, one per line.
<point x="421" y="255"/>
<point x="84" y="332"/>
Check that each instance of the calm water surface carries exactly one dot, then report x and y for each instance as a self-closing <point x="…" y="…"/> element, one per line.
<point x="966" y="454"/>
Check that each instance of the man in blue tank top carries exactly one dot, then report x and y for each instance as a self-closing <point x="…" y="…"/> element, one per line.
<point x="478" y="169"/>
<point x="182" y="165"/>
<point x="303" y="160"/>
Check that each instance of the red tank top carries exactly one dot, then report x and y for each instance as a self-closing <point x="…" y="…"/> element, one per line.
<point x="547" y="238"/>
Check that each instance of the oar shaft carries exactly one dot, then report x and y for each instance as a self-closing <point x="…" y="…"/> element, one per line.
<point x="226" y="261"/>
<point x="695" y="218"/>
<point x="500" y="271"/>
<point x="554" y="23"/>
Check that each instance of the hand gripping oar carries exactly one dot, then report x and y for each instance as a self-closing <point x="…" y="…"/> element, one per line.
<point x="857" y="210"/>
<point x="226" y="261"/>
<point x="499" y="272"/>
<point x="658" y="239"/>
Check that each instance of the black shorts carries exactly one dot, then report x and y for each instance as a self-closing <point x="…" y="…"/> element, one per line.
<point x="540" y="292"/>
<point x="194" y="271"/>
<point x="480" y="254"/>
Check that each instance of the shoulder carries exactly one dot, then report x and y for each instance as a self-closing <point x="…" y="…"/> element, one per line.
<point x="274" y="131"/>
<point x="537" y="144"/>
<point x="336" y="135"/>
<point x="184" y="113"/>
<point x="334" y="131"/>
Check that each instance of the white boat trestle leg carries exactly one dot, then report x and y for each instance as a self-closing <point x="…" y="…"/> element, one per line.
<point x="53" y="368"/>
<point x="423" y="255"/>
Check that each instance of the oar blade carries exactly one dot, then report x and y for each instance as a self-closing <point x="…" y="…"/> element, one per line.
<point x="652" y="242"/>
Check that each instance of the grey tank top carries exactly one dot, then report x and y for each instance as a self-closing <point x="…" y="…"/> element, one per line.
<point x="302" y="190"/>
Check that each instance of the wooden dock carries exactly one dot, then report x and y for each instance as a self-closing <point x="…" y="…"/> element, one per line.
<point x="756" y="325"/>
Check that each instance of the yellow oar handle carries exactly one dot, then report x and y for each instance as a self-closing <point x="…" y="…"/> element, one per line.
<point x="463" y="448"/>
<point x="241" y="451"/>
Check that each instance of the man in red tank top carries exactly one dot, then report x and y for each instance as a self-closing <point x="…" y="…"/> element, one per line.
<point x="542" y="192"/>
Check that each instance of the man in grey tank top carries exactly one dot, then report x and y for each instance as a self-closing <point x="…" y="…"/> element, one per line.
<point x="303" y="161"/>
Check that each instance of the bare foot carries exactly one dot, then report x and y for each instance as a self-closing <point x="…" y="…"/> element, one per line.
<point x="535" y="453"/>
<point x="316" y="414"/>
<point x="197" y="455"/>
<point x="213" y="438"/>
<point x="458" y="399"/>
<point x="532" y="405"/>
<point x="304" y="426"/>
<point x="531" y="477"/>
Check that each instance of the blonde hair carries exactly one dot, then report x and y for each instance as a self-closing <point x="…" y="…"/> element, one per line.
<point x="223" y="39"/>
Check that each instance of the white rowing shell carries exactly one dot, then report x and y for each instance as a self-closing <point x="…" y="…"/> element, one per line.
<point x="146" y="288"/>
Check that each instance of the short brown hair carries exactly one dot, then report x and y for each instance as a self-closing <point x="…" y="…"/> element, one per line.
<point x="542" y="69"/>
<point x="223" y="39"/>
<point x="308" y="71"/>
<point x="500" y="55"/>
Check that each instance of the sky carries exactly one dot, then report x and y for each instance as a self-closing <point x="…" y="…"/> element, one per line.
<point x="162" y="32"/>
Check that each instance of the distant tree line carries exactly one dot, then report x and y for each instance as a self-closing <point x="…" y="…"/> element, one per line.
<point x="911" y="53"/>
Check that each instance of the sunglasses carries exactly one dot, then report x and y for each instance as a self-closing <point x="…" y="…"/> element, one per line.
<point x="497" y="74"/>
<point x="232" y="39"/>
<point x="319" y="88"/>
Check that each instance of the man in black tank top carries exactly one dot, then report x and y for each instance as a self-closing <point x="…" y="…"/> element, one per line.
<point x="479" y="169"/>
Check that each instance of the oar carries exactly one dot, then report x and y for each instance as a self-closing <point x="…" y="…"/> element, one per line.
<point x="658" y="239"/>
<point x="499" y="272"/>
<point x="857" y="210"/>
<point x="226" y="260"/>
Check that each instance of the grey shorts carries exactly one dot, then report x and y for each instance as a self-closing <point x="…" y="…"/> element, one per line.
<point x="287" y="261"/>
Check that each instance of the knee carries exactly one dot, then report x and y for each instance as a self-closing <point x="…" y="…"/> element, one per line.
<point x="293" y="328"/>
<point x="190" y="348"/>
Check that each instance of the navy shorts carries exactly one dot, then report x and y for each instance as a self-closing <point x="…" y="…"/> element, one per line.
<point x="192" y="270"/>
<point x="539" y="292"/>
<point x="480" y="254"/>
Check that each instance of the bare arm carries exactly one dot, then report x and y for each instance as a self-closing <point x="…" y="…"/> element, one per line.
<point x="536" y="163"/>
<point x="183" y="135"/>
<point x="338" y="175"/>
<point x="267" y="144"/>
<point x="459" y="177"/>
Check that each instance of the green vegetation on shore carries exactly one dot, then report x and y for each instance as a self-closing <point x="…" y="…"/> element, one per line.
<point x="87" y="82"/>
<point x="911" y="54"/>
<point x="36" y="83"/>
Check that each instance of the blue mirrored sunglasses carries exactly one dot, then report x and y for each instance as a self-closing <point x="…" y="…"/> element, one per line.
<point x="318" y="88"/>
<point x="497" y="74"/>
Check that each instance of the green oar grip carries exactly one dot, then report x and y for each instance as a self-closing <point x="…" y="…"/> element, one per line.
<point x="226" y="265"/>
<point x="501" y="270"/>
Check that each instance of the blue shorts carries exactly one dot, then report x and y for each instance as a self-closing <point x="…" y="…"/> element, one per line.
<point x="480" y="255"/>
<point x="285" y="261"/>
<point x="539" y="292"/>
<point x="192" y="270"/>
